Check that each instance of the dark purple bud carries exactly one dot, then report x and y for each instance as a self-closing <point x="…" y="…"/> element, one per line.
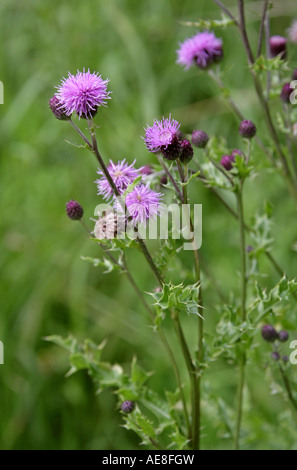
<point x="275" y="356"/>
<point x="57" y="110"/>
<point x="247" y="129"/>
<point x="249" y="249"/>
<point x="187" y="152"/>
<point x="285" y="359"/>
<point x="283" y="336"/>
<point x="226" y="162"/>
<point x="74" y="210"/>
<point x="294" y="76"/>
<point x="269" y="333"/>
<point x="164" y="180"/>
<point x="127" y="406"/>
<point x="286" y="92"/>
<point x="199" y="139"/>
<point x="278" y="46"/>
<point x="173" y="150"/>
<point x="146" y="170"/>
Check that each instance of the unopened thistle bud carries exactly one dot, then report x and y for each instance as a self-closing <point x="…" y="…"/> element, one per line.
<point x="127" y="406"/>
<point x="74" y="210"/>
<point x="283" y="336"/>
<point x="227" y="161"/>
<point x="186" y="152"/>
<point x="199" y="138"/>
<point x="286" y="92"/>
<point x="275" y="356"/>
<point x="278" y="46"/>
<point x="57" y="110"/>
<point x="247" y="129"/>
<point x="269" y="333"/>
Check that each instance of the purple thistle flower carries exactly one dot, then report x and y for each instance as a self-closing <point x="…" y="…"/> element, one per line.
<point x="293" y="32"/>
<point x="162" y="137"/>
<point x="278" y="46"/>
<point x="294" y="75"/>
<point x="82" y="93"/>
<point x="122" y="175"/>
<point x="202" y="50"/>
<point x="143" y="204"/>
<point x="286" y="92"/>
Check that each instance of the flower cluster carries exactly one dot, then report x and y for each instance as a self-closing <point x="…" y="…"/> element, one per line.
<point x="270" y="335"/>
<point x="166" y="138"/>
<point x="142" y="203"/>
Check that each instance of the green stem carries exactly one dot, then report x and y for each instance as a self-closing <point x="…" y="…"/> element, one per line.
<point x="242" y="360"/>
<point x="195" y="390"/>
<point x="197" y="385"/>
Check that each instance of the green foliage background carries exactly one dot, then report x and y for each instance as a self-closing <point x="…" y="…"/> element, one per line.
<point x="45" y="287"/>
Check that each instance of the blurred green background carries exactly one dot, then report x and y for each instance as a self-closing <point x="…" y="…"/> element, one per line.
<point x="45" y="287"/>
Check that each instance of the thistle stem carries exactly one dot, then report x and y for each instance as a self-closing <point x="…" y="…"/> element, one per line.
<point x="197" y="385"/>
<point x="242" y="360"/>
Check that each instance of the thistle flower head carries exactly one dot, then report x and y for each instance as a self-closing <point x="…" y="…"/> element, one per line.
<point x="247" y="129"/>
<point x="122" y="174"/>
<point x="283" y="336"/>
<point x="187" y="152"/>
<point x="82" y="93"/>
<point x="286" y="92"/>
<point x="269" y="333"/>
<point x="292" y="31"/>
<point x="74" y="210"/>
<point x="199" y="138"/>
<point x="58" y="112"/>
<point x="161" y="135"/>
<point x="275" y="356"/>
<point x="278" y="46"/>
<point x="143" y="204"/>
<point x="202" y="50"/>
<point x="128" y="406"/>
<point x="226" y="162"/>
